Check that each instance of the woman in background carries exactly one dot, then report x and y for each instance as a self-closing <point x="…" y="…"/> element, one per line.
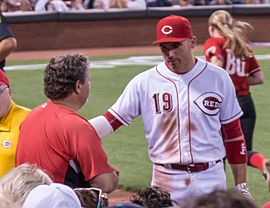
<point x="228" y="48"/>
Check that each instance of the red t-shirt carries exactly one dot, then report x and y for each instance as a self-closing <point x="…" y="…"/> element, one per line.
<point x="239" y="70"/>
<point x="52" y="135"/>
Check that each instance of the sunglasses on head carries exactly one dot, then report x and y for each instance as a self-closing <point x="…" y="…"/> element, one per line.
<point x="102" y="198"/>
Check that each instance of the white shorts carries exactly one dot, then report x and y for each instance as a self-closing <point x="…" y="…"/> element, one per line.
<point x="184" y="186"/>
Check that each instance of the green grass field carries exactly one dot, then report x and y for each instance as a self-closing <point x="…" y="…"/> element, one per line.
<point x="127" y="148"/>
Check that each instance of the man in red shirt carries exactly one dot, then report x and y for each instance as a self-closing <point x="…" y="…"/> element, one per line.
<point x="56" y="138"/>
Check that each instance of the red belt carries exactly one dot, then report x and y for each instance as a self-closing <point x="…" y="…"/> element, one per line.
<point x="192" y="167"/>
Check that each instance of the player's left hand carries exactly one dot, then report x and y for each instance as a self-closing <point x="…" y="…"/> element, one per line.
<point x="243" y="189"/>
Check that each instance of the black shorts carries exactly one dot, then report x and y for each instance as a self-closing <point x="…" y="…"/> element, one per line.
<point x="248" y="119"/>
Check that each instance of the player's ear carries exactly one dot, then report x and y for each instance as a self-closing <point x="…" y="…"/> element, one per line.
<point x="10" y="91"/>
<point x="210" y="30"/>
<point x="77" y="89"/>
<point x="193" y="42"/>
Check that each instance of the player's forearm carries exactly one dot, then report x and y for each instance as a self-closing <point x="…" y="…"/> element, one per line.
<point x="239" y="173"/>
<point x="257" y="78"/>
<point x="7" y="46"/>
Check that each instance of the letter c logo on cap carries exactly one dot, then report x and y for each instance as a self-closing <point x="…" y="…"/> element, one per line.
<point x="166" y="29"/>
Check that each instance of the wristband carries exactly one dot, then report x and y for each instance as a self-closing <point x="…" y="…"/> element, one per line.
<point x="236" y="152"/>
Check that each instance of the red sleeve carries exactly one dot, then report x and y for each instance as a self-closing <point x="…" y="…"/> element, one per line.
<point x="252" y="65"/>
<point x="115" y="123"/>
<point x="236" y="151"/>
<point x="232" y="129"/>
<point x="213" y="47"/>
<point x="87" y="150"/>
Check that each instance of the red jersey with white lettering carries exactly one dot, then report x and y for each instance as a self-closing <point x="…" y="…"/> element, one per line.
<point x="238" y="69"/>
<point x="182" y="114"/>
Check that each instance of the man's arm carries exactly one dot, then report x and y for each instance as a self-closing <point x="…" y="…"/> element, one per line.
<point x="105" y="124"/>
<point x="107" y="182"/>
<point x="235" y="150"/>
<point x="238" y="165"/>
<point x="256" y="78"/>
<point x="7" y="46"/>
<point x="236" y="154"/>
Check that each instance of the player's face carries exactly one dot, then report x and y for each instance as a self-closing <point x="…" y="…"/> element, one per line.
<point x="5" y="100"/>
<point x="179" y="55"/>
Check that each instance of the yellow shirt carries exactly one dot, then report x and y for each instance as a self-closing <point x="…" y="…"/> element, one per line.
<point x="9" y="134"/>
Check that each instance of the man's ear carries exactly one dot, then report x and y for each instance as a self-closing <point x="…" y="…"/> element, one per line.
<point x="77" y="89"/>
<point x="10" y="91"/>
<point x="193" y="41"/>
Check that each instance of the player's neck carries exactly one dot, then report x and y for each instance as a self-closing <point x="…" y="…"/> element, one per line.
<point x="216" y="34"/>
<point x="184" y="68"/>
<point x="67" y="103"/>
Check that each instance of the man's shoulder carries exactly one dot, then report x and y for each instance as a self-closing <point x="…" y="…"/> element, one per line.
<point x="219" y="40"/>
<point x="216" y="70"/>
<point x="20" y="111"/>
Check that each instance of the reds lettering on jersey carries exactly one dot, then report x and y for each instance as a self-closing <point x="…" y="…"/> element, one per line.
<point x="238" y="69"/>
<point x="182" y="114"/>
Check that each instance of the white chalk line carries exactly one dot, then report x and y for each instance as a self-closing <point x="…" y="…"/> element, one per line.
<point x="130" y="61"/>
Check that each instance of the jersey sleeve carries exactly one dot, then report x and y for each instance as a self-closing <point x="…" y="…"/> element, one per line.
<point x="87" y="151"/>
<point x="5" y="31"/>
<point x="230" y="108"/>
<point x="127" y="107"/>
<point x="253" y="65"/>
<point x="212" y="48"/>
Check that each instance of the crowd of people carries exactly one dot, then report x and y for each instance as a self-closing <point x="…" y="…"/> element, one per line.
<point x="192" y="127"/>
<point x="78" y="5"/>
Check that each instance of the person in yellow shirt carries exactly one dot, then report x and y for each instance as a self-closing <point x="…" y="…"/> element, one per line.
<point x="11" y="116"/>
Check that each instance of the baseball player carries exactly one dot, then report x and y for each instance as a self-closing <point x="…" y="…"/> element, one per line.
<point x="184" y="102"/>
<point x="7" y="41"/>
<point x="227" y="48"/>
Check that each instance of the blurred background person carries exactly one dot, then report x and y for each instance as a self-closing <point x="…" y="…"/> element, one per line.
<point x="54" y="195"/>
<point x="8" y="42"/>
<point x="221" y="199"/>
<point x="17" y="183"/>
<point x="92" y="197"/>
<point x="148" y="197"/>
<point x="220" y="2"/>
<point x="11" y="116"/>
<point x="228" y="48"/>
<point x="159" y="3"/>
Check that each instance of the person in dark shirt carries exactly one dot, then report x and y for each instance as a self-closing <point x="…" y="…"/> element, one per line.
<point x="8" y="42"/>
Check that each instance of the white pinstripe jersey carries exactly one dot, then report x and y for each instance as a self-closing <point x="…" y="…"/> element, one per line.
<point x="182" y="114"/>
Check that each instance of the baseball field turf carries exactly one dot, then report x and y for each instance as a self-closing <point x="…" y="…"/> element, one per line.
<point x="127" y="148"/>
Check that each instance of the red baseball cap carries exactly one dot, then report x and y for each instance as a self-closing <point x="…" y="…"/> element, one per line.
<point x="173" y="29"/>
<point x="3" y="78"/>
